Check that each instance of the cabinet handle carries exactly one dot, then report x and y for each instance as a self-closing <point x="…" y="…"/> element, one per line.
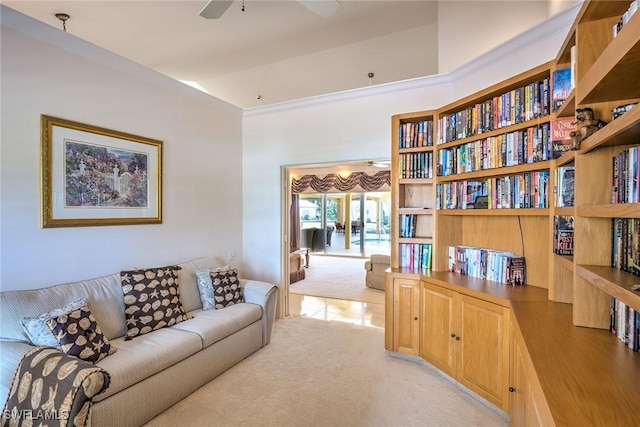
<point x="415" y="318"/>
<point x="457" y="338"/>
<point x="453" y="335"/>
<point x="511" y="389"/>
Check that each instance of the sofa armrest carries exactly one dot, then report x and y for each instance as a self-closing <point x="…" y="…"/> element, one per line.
<point x="265" y="295"/>
<point x="50" y="384"/>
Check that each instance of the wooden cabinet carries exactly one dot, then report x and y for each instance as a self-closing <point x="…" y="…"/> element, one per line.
<point x="527" y="405"/>
<point x="406" y="312"/>
<point x="437" y="335"/>
<point x="467" y="338"/>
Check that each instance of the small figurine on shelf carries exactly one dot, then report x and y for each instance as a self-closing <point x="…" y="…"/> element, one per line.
<point x="586" y="125"/>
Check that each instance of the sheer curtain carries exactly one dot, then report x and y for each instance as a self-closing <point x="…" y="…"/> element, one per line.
<point x="330" y="182"/>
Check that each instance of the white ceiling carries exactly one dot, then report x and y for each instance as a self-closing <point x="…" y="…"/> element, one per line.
<point x="170" y="36"/>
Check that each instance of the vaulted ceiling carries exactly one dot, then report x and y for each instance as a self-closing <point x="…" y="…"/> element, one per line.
<point x="273" y="50"/>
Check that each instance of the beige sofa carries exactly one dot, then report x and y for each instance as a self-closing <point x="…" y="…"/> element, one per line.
<point x="153" y="371"/>
<point x="376" y="267"/>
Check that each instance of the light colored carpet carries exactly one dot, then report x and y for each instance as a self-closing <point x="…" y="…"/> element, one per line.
<point x="329" y="374"/>
<point x="337" y="277"/>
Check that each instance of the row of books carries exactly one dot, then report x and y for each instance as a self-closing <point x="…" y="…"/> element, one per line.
<point x="509" y="149"/>
<point x="416" y="165"/>
<point x="626" y="176"/>
<point x="513" y="107"/>
<point x="518" y="191"/>
<point x="563" y="235"/>
<point x="625" y="324"/>
<point x="415" y="255"/>
<point x="625" y="253"/>
<point x="408" y="225"/>
<point x="497" y="266"/>
<point x="565" y="186"/>
<point x="617" y="27"/>
<point x="416" y="134"/>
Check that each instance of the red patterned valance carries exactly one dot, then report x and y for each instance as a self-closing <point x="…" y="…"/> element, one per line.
<point x="334" y="182"/>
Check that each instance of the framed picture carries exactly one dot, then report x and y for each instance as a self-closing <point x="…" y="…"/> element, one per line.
<point x="94" y="176"/>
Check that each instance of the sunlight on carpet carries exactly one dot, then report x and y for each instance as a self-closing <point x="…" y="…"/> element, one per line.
<point x="339" y="278"/>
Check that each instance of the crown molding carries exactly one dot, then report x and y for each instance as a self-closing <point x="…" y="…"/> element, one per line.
<point x="380" y="89"/>
<point x="558" y="23"/>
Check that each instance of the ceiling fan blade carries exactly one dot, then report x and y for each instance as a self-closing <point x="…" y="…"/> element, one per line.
<point x="215" y="9"/>
<point x="324" y="8"/>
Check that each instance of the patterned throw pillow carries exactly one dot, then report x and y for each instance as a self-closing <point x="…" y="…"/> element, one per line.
<point x="151" y="299"/>
<point x="37" y="329"/>
<point x="206" y="289"/>
<point x="79" y="335"/>
<point x="226" y="288"/>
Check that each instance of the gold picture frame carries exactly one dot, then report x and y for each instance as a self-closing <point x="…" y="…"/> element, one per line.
<point x="92" y="176"/>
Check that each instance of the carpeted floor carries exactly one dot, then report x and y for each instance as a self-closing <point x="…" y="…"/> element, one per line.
<point x="337" y="277"/>
<point x="329" y="374"/>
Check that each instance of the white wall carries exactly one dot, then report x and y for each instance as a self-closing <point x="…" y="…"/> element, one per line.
<point x="390" y="58"/>
<point x="46" y="71"/>
<point x="469" y="29"/>
<point x="355" y="125"/>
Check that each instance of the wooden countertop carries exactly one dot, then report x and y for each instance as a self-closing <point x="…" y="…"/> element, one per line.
<point x="588" y="376"/>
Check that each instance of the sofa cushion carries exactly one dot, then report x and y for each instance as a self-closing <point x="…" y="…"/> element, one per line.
<point x="151" y="299"/>
<point x="104" y="296"/>
<point x="79" y="335"/>
<point x="205" y="288"/>
<point x="37" y="329"/>
<point x="189" y="293"/>
<point x="145" y="356"/>
<point x="226" y="288"/>
<point x="215" y="325"/>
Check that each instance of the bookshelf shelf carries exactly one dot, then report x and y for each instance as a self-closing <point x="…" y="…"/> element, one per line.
<point x="416" y="240"/>
<point x="415" y="211"/>
<point x="495" y="212"/>
<point x="567" y="158"/>
<point x="568" y="107"/>
<point x="507" y="170"/>
<point x="415" y="149"/>
<point x="615" y="210"/>
<point x="607" y="78"/>
<point x="624" y="130"/>
<point x="565" y="262"/>
<point x="423" y="181"/>
<point x="565" y="211"/>
<point x="613" y="282"/>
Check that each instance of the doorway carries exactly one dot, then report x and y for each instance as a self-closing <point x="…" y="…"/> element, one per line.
<point x="356" y="224"/>
<point x="349" y="215"/>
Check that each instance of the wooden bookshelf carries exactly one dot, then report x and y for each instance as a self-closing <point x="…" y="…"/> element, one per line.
<point x="411" y="196"/>
<point x="574" y="369"/>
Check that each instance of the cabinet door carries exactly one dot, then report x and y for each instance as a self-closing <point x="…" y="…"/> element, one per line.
<point x="518" y="386"/>
<point x="483" y="356"/>
<point x="406" y="305"/>
<point x="437" y="325"/>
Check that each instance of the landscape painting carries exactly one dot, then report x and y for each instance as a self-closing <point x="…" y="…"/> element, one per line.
<point x="98" y="176"/>
<point x="95" y="176"/>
